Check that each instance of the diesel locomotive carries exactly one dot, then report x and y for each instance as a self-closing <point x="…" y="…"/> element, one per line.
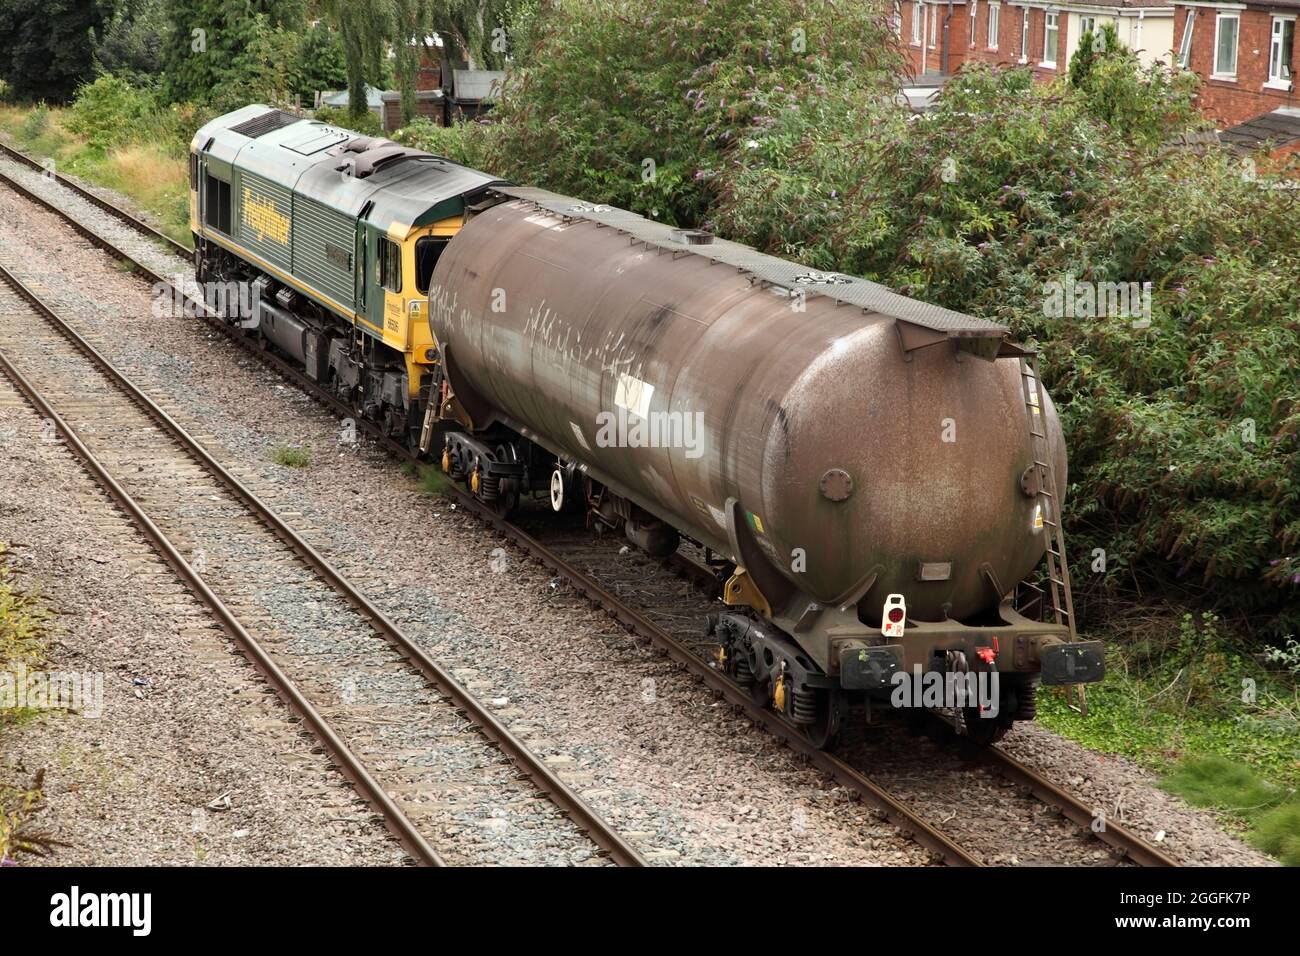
<point x="874" y="477"/>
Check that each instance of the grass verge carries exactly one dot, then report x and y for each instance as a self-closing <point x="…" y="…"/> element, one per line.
<point x="153" y="175"/>
<point x="1220" y="726"/>
<point x="24" y="626"/>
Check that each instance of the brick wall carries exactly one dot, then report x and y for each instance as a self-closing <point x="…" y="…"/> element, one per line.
<point x="1228" y="102"/>
<point x="958" y="38"/>
<point x="1010" y="23"/>
<point x="428" y="104"/>
<point x="1008" y="45"/>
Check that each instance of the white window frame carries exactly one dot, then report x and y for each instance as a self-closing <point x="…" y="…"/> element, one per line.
<point x="934" y="24"/>
<point x="1185" y="47"/>
<point x="974" y="19"/>
<point x="897" y="19"/>
<point x="1220" y="16"/>
<point x="1049" y="56"/>
<point x="918" y="18"/>
<point x="1088" y="24"/>
<point x="991" y="29"/>
<point x="1277" y="81"/>
<point x="1024" y="36"/>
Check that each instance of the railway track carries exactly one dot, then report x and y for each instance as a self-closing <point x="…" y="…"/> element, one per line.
<point x="661" y="625"/>
<point x="366" y="690"/>
<point x="139" y="225"/>
<point x="1125" y="844"/>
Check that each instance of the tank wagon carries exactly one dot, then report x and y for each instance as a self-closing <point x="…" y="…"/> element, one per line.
<point x="872" y="476"/>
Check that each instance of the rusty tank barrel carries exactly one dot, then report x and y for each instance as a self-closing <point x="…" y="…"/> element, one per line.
<point x="854" y="452"/>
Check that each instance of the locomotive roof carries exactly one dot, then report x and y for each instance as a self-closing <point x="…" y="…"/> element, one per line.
<point x="920" y="322"/>
<point x="340" y="168"/>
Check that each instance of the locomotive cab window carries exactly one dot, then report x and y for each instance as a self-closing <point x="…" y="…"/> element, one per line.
<point x="427" y="251"/>
<point x="388" y="265"/>
<point x="216" y="204"/>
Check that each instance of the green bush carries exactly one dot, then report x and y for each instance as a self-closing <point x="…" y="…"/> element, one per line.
<point x="1146" y="104"/>
<point x="1219" y="782"/>
<point x="612" y="86"/>
<point x="1278" y="833"/>
<point x="36" y="122"/>
<point x="367" y="124"/>
<point x="1272" y="813"/>
<point x="110" y="112"/>
<point x="463" y="143"/>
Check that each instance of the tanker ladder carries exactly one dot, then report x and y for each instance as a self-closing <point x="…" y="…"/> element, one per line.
<point x="1048" y="514"/>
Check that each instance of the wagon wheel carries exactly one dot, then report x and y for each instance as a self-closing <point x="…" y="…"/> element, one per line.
<point x="989" y="730"/>
<point x="824" y="730"/>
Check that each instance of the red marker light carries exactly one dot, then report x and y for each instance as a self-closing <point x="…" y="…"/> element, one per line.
<point x="986" y="654"/>
<point x="895" y="615"/>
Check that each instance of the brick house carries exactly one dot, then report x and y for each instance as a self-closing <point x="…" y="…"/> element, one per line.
<point x="941" y="36"/>
<point x="1243" y="53"/>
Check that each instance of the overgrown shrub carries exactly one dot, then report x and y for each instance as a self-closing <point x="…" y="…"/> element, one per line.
<point x="1271" y="812"/>
<point x="368" y="123"/>
<point x="110" y="112"/>
<point x="638" y="105"/>
<point x="463" y="143"/>
<point x="36" y="122"/>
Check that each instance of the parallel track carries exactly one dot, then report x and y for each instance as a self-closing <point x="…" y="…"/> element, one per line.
<point x="109" y="418"/>
<point x="1123" y="841"/>
<point x="139" y="225"/>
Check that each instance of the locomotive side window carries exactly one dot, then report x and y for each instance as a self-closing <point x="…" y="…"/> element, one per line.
<point x="216" y="206"/>
<point x="427" y="251"/>
<point x="388" y="262"/>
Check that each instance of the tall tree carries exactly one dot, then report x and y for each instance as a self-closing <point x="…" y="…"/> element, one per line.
<point x="209" y="45"/>
<point x="321" y="64"/>
<point x="132" y="43"/>
<point x="365" y="30"/>
<point x="476" y="32"/>
<point x="48" y="48"/>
